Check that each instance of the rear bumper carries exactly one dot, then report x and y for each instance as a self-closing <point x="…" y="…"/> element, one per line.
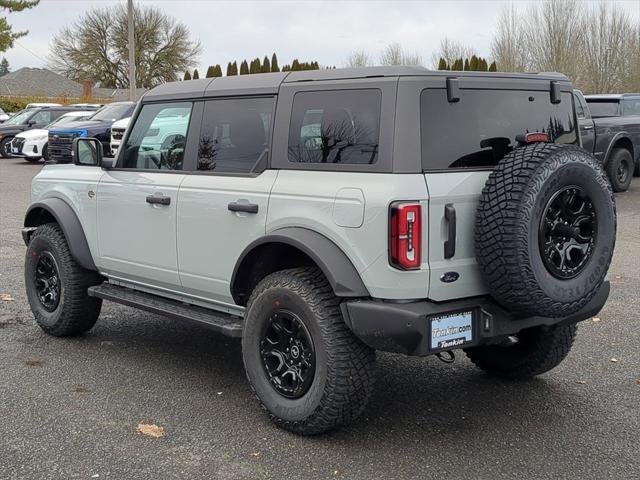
<point x="404" y="327"/>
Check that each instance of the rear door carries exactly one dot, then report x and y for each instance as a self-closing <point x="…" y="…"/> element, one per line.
<point x="461" y="142"/>
<point x="222" y="206"/>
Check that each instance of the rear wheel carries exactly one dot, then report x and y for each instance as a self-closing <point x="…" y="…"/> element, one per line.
<point x="57" y="286"/>
<point x="620" y="169"/>
<point x="636" y="171"/>
<point x="45" y="152"/>
<point x="531" y="352"/>
<point x="307" y="369"/>
<point x="5" y="147"/>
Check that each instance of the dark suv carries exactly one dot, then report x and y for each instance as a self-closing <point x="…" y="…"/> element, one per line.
<point x="30" y="118"/>
<point x="98" y="126"/>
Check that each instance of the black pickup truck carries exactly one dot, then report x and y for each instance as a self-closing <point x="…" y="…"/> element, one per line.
<point x="610" y="129"/>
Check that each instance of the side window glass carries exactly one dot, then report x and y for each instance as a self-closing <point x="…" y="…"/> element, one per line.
<point x="579" y="107"/>
<point x="632" y="106"/>
<point x="43" y="116"/>
<point x="336" y="126"/>
<point x="235" y="135"/>
<point x="158" y="137"/>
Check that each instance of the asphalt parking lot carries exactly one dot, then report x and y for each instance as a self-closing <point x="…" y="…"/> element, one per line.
<point x="69" y="408"/>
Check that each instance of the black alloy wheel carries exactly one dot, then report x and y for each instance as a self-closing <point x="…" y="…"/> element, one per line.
<point x="47" y="281"/>
<point x="568" y="229"/>
<point x="288" y="355"/>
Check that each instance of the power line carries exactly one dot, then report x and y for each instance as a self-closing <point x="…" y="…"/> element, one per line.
<point x="30" y="51"/>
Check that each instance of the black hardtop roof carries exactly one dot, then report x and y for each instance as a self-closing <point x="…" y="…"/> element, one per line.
<point x="269" y="83"/>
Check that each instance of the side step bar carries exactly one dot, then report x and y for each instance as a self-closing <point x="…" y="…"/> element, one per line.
<point x="225" y="324"/>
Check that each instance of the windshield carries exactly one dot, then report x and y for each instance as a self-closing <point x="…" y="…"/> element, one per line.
<point x="60" y="121"/>
<point x="605" y="108"/>
<point x="111" y="113"/>
<point x="20" y="117"/>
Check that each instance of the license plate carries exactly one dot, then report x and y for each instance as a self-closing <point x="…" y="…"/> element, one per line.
<point x="453" y="330"/>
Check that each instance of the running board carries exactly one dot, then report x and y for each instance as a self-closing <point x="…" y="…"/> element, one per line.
<point x="222" y="323"/>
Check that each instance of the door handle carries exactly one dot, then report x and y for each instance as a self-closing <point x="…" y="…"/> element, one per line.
<point x="158" y="199"/>
<point x="243" y="207"/>
<point x="450" y="242"/>
<point x="587" y="127"/>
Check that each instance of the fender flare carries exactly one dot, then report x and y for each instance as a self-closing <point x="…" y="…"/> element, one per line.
<point x="70" y="225"/>
<point x="336" y="266"/>
<point x="616" y="137"/>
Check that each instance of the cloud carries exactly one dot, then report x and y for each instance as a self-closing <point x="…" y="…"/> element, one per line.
<point x="324" y="31"/>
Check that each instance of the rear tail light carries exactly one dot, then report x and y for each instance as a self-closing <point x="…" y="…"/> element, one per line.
<point x="405" y="228"/>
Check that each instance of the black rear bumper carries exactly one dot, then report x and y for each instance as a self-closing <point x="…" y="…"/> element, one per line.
<point x="404" y="327"/>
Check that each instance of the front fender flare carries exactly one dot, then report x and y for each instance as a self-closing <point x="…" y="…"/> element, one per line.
<point x="336" y="266"/>
<point x="614" y="140"/>
<point x="70" y="225"/>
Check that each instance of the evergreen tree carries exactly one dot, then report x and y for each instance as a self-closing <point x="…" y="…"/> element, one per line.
<point x="187" y="75"/>
<point x="229" y="69"/>
<point x="4" y="66"/>
<point x="196" y="75"/>
<point x="483" y="67"/>
<point x="244" y="68"/>
<point x="493" y="67"/>
<point x="274" y="63"/>
<point x="286" y="68"/>
<point x="255" y="66"/>
<point x="234" y="67"/>
<point x="210" y="71"/>
<point x="473" y="64"/>
<point x="442" y="64"/>
<point x="457" y="65"/>
<point x="466" y="65"/>
<point x="295" y="65"/>
<point x="266" y="65"/>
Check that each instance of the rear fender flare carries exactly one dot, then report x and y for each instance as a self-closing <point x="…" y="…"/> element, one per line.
<point x="330" y="259"/>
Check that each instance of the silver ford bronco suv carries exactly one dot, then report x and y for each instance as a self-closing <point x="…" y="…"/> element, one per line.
<point x="323" y="215"/>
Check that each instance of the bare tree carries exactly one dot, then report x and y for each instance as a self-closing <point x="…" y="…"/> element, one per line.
<point x="451" y="51"/>
<point x="606" y="49"/>
<point x="508" y="47"/>
<point x="96" y="47"/>
<point x="393" y="54"/>
<point x="358" y="58"/>
<point x="553" y="34"/>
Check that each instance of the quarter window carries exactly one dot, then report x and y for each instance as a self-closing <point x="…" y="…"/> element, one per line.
<point x="235" y="135"/>
<point x="335" y="126"/>
<point x="157" y="139"/>
<point x="632" y="106"/>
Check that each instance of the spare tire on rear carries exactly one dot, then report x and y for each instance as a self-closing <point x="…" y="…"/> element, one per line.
<point x="545" y="229"/>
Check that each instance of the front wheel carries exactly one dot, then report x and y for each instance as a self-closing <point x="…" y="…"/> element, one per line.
<point x="620" y="169"/>
<point x="307" y="369"/>
<point x="5" y="147"/>
<point x="532" y="352"/>
<point x="57" y="286"/>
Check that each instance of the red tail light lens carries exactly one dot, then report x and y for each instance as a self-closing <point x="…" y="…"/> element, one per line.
<point x="405" y="230"/>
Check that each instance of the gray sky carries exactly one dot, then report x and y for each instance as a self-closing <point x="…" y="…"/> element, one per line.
<point x="326" y="31"/>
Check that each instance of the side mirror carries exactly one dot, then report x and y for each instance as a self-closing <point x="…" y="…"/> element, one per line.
<point x="87" y="151"/>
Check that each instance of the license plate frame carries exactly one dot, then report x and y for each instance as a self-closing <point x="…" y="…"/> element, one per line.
<point x="439" y="325"/>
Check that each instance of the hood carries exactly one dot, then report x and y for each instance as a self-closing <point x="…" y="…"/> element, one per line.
<point x="85" y="125"/>
<point x="33" y="133"/>
<point x="124" y="123"/>
<point x="12" y="128"/>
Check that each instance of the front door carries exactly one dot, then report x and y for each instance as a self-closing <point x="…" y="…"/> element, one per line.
<point x="222" y="207"/>
<point x="137" y="201"/>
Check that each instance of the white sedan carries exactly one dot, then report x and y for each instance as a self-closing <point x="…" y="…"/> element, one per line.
<point x="32" y="144"/>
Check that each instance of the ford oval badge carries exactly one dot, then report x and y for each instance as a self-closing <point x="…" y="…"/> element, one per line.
<point x="449" y="277"/>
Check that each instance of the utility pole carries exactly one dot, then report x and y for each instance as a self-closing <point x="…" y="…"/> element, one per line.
<point x="132" y="53"/>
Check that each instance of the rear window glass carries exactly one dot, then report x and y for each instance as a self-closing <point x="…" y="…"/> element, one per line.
<point x="480" y="129"/>
<point x="335" y="126"/>
<point x="599" y="108"/>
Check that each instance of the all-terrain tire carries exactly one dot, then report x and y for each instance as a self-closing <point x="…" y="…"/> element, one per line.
<point x="344" y="366"/>
<point x="620" y="169"/>
<point x="75" y="312"/>
<point x="537" y="351"/>
<point x="514" y="250"/>
<point x="45" y="153"/>
<point x="5" y="146"/>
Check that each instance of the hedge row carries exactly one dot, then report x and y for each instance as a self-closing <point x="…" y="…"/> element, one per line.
<point x="15" y="104"/>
